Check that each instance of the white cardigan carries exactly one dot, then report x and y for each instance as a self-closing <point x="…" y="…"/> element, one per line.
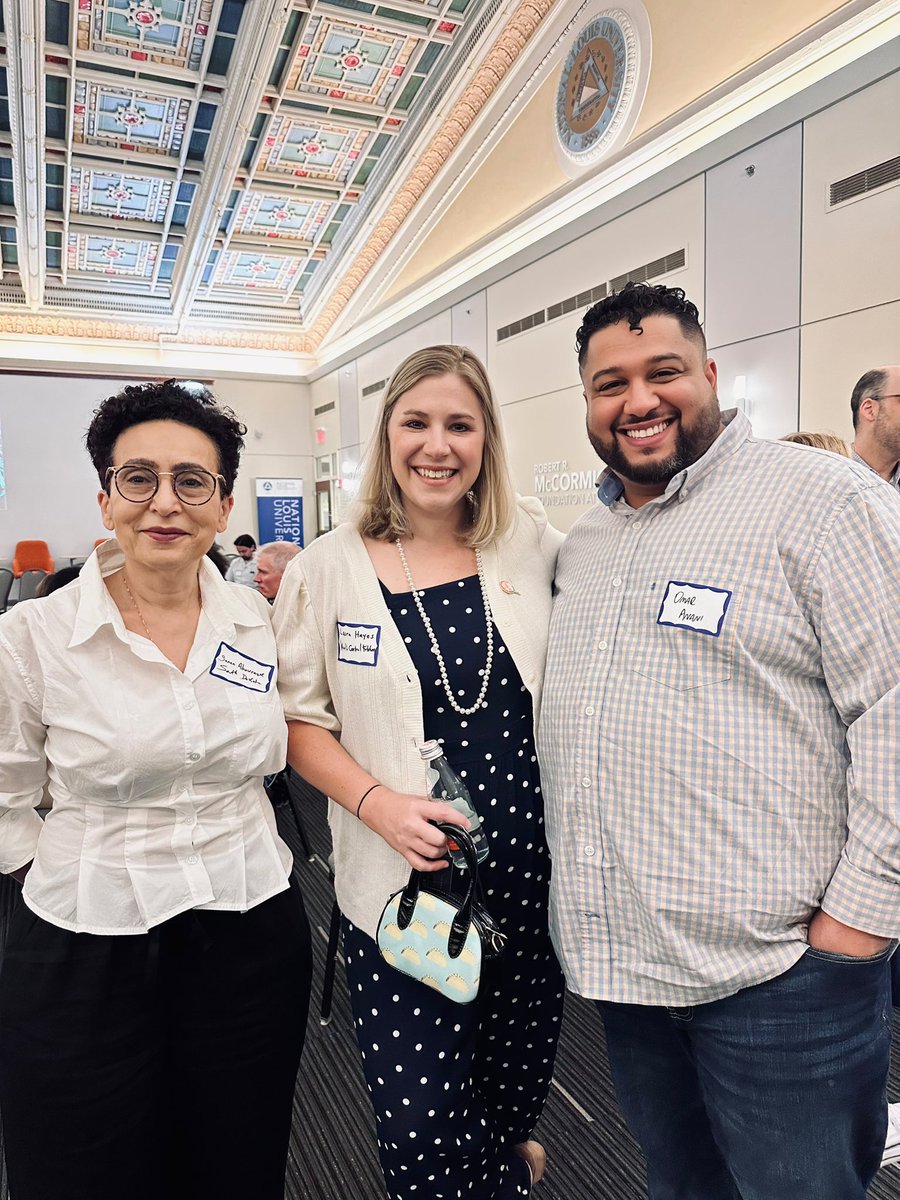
<point x="344" y="666"/>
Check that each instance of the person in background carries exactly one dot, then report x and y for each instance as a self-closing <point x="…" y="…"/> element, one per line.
<point x="820" y="441"/>
<point x="448" y="579"/>
<point x="875" y="408"/>
<point x="218" y="559"/>
<point x="719" y="740"/>
<point x="57" y="579"/>
<point x="243" y="568"/>
<point x="273" y="558"/>
<point x="155" y="980"/>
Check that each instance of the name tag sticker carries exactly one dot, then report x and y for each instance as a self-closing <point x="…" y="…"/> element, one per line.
<point x="694" y="606"/>
<point x="358" y="644"/>
<point x="240" y="669"/>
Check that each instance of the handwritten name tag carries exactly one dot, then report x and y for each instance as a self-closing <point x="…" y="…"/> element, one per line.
<point x="358" y="644"/>
<point x="240" y="669"/>
<point x="694" y="606"/>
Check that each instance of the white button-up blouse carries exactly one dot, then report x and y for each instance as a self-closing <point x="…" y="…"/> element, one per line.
<point x="155" y="775"/>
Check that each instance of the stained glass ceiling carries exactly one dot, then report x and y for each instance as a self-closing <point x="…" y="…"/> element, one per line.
<point x="180" y="161"/>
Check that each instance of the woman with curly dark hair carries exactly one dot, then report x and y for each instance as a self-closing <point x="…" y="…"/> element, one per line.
<point x="156" y="978"/>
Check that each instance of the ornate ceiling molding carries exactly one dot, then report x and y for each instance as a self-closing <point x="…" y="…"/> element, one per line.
<point x="34" y="325"/>
<point x="25" y="41"/>
<point x="521" y="27"/>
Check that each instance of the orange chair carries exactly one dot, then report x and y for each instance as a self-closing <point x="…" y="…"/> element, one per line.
<point x="100" y="541"/>
<point x="32" y="556"/>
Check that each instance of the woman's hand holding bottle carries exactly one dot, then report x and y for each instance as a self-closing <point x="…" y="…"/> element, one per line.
<point x="405" y="823"/>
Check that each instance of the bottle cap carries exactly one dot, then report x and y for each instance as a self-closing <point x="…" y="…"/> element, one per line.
<point x="431" y="749"/>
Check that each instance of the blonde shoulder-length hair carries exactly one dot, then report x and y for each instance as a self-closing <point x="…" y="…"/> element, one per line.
<point x="380" y="511"/>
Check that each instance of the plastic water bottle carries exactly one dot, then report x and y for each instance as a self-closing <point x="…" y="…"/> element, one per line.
<point x="444" y="784"/>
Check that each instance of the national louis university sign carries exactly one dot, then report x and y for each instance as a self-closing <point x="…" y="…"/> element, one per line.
<point x="602" y="86"/>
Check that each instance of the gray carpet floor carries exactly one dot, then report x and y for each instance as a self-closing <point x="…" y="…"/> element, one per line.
<point x="591" y="1155"/>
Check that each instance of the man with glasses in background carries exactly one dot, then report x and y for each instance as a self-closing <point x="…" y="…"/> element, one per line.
<point x="875" y="406"/>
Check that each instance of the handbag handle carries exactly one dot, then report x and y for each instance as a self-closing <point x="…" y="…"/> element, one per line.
<point x="459" y="930"/>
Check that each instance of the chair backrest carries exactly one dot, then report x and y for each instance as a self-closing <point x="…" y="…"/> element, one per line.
<point x="6" y="582"/>
<point x="32" y="556"/>
<point x="100" y="541"/>
<point x="28" y="582"/>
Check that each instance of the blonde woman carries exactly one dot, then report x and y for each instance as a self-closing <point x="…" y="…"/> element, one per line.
<point x="819" y="441"/>
<point x="427" y="618"/>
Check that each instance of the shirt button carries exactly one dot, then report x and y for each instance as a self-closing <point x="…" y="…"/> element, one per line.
<point x="589" y="711"/>
<point x="194" y="756"/>
<point x="602" y="645"/>
<point x="617" y="582"/>
<point x="636" y="526"/>
<point x="192" y="860"/>
<point x="586" y="781"/>
<point x="589" y="851"/>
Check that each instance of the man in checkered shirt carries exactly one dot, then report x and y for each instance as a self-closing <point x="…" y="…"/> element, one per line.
<point x="719" y="741"/>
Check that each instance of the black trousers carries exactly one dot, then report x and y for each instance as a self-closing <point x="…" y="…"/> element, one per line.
<point x="158" y="1066"/>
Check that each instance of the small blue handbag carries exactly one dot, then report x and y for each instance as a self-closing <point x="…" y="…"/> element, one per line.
<point x="438" y="938"/>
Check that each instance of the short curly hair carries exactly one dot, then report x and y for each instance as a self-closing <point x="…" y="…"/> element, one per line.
<point x="166" y="400"/>
<point x="632" y="304"/>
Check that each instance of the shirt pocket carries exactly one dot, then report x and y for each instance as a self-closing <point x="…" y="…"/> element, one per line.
<point x="682" y="658"/>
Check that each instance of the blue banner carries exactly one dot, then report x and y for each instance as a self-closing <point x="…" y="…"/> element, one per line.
<point x="279" y="510"/>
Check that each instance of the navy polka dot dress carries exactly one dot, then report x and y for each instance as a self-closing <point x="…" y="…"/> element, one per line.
<point x="455" y="1087"/>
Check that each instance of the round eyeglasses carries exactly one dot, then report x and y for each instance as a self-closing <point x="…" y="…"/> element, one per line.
<point x="192" y="485"/>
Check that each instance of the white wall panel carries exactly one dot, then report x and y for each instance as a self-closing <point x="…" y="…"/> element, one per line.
<point x="851" y="254"/>
<point x="468" y="324"/>
<point x="770" y="367"/>
<point x="542" y="360"/>
<point x="550" y="455"/>
<point x="753" y="241"/>
<point x="833" y="355"/>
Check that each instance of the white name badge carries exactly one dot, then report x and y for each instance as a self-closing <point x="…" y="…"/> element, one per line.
<point x="358" y="644"/>
<point x="694" y="606"/>
<point x="240" y="669"/>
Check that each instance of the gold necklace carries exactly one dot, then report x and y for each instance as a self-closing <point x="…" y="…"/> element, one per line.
<point x="137" y="608"/>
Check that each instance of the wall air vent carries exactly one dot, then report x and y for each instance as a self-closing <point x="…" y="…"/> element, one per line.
<point x="10" y="294"/>
<point x="371" y="388"/>
<point x="869" y="180"/>
<point x="323" y="408"/>
<point x="583" y="300"/>
<point x="529" y="322"/>
<point x="650" y="270"/>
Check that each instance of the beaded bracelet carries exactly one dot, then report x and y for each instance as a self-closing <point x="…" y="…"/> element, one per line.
<point x="365" y="793"/>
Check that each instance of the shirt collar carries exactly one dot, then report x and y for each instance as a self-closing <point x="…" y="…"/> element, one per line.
<point x="895" y="474"/>
<point x="737" y="431"/>
<point x="222" y="602"/>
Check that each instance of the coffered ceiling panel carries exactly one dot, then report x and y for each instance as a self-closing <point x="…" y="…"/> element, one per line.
<point x="207" y="161"/>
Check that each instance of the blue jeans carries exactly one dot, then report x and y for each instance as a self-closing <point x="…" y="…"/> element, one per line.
<point x="774" y="1093"/>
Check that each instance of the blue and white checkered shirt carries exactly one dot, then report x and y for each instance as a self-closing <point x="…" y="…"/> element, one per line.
<point x="721" y="720"/>
<point x="895" y="474"/>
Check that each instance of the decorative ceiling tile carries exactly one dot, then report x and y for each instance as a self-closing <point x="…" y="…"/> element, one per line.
<point x="173" y="32"/>
<point x="96" y="254"/>
<point x="237" y="270"/>
<point x="282" y="216"/>
<point x="130" y="118"/>
<point x="341" y="60"/>
<point x="119" y="196"/>
<point x="315" y="150"/>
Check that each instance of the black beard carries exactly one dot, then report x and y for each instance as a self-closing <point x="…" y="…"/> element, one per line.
<point x="690" y="445"/>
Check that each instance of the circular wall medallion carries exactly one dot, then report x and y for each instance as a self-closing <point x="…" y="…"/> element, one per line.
<point x="602" y="85"/>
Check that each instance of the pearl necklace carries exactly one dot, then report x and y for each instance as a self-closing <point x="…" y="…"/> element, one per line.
<point x="435" y="648"/>
<point x="137" y="609"/>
